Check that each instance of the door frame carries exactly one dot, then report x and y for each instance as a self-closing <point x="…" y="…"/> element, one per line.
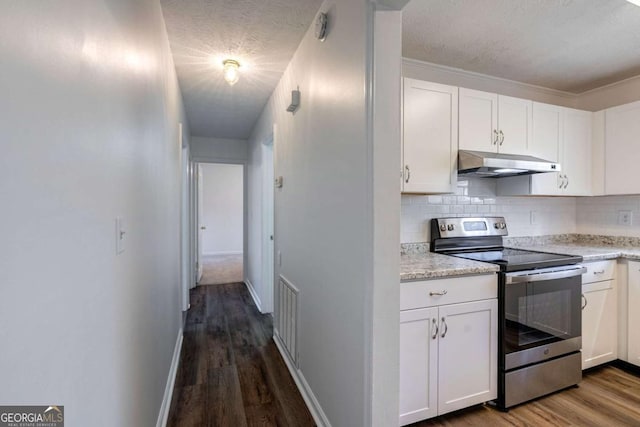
<point x="195" y="226"/>
<point x="268" y="223"/>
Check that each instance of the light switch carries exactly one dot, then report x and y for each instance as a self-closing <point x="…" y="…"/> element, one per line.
<point x="280" y="258"/>
<point x="120" y="235"/>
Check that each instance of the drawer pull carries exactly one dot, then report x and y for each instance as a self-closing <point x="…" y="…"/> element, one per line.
<point x="599" y="272"/>
<point x="585" y="302"/>
<point x="437" y="293"/>
<point x="435" y="333"/>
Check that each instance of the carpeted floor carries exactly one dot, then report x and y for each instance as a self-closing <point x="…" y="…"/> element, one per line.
<point x="220" y="269"/>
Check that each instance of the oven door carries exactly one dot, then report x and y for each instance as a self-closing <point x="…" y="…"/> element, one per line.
<point x="542" y="314"/>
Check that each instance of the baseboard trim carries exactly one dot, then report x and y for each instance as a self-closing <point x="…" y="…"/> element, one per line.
<point x="254" y="294"/>
<point x="223" y="253"/>
<point x="317" y="413"/>
<point x="163" y="416"/>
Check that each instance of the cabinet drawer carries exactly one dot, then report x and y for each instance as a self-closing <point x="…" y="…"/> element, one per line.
<point x="453" y="290"/>
<point x="598" y="271"/>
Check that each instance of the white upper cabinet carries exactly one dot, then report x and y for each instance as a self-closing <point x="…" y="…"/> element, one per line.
<point x="622" y="148"/>
<point x="514" y="125"/>
<point x="430" y="137"/>
<point x="478" y="120"/>
<point x="576" y="152"/>
<point x="560" y="135"/>
<point x="494" y="123"/>
<point x="546" y="144"/>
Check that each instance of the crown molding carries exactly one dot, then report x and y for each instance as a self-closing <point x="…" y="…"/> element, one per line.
<point x="488" y="78"/>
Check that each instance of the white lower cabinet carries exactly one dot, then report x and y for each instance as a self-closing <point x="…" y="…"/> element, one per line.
<point x="448" y="355"/>
<point x="633" y="332"/>
<point x="599" y="314"/>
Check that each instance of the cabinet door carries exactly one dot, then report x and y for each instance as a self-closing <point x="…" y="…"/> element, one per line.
<point x="467" y="354"/>
<point x="418" y="364"/>
<point x="547" y="140"/>
<point x="514" y="125"/>
<point x="633" y="337"/>
<point x="430" y="137"/>
<point x="478" y="120"/>
<point x="599" y="323"/>
<point x="622" y="148"/>
<point x="576" y="152"/>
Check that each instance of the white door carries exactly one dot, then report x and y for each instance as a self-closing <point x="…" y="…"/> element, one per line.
<point x="514" y="125"/>
<point x="418" y="364"/>
<point x="467" y="354"/>
<point x="430" y="137"/>
<point x="576" y="152"/>
<point x="478" y="115"/>
<point x="201" y="226"/>
<point x="599" y="323"/>
<point x="547" y="145"/>
<point x="268" y="236"/>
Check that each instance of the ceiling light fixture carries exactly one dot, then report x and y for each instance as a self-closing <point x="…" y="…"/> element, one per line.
<point x="231" y="71"/>
<point x="636" y="2"/>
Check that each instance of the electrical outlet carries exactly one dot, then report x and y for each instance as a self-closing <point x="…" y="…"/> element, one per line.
<point x="625" y="218"/>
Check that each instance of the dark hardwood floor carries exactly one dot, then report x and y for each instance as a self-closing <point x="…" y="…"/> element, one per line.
<point x="231" y="373"/>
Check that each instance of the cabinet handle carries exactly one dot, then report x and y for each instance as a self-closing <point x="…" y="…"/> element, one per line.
<point x="566" y="184"/>
<point x="444" y="324"/>
<point x="434" y="335"/>
<point x="599" y="272"/>
<point x="406" y="180"/>
<point x="585" y="301"/>
<point x="495" y="137"/>
<point x="437" y="293"/>
<point x="560" y="181"/>
<point x="501" y="138"/>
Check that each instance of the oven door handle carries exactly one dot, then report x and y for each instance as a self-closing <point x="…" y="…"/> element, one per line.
<point x="513" y="278"/>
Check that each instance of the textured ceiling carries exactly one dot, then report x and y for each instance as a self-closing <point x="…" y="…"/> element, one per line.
<point x="569" y="45"/>
<point x="262" y="35"/>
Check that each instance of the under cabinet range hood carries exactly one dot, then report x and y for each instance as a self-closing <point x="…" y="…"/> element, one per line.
<point x="496" y="165"/>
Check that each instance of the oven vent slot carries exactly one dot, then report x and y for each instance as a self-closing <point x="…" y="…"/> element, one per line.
<point x="288" y="315"/>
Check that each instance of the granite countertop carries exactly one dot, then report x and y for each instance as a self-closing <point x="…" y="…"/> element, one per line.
<point x="417" y="263"/>
<point x="428" y="265"/>
<point x="591" y="248"/>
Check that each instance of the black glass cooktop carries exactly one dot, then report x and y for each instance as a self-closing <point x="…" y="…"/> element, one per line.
<point x="519" y="259"/>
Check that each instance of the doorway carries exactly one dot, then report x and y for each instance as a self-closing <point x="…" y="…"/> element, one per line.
<point x="220" y="223"/>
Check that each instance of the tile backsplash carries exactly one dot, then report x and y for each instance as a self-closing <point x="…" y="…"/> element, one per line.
<point x="602" y="215"/>
<point x="525" y="216"/>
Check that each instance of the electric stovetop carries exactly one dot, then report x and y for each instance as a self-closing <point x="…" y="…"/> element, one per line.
<point x="518" y="259"/>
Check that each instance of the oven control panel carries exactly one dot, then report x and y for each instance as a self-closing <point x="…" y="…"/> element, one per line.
<point x="468" y="227"/>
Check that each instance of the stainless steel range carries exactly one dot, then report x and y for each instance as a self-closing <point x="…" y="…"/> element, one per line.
<point x="539" y="300"/>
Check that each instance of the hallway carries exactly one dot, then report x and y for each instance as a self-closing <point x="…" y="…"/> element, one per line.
<point x="221" y="269"/>
<point x="231" y="373"/>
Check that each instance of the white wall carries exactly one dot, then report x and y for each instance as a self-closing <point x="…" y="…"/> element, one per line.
<point x="321" y="212"/>
<point x="90" y="109"/>
<point x="223" y="210"/>
<point x="552" y="215"/>
<point x="219" y="150"/>
<point x="599" y="215"/>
